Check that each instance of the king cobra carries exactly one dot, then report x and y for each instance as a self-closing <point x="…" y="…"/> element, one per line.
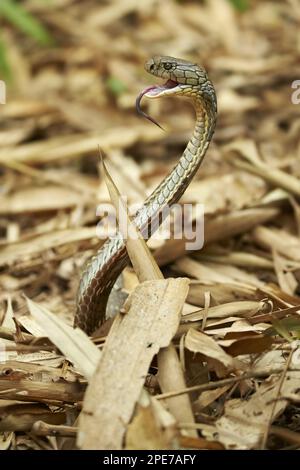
<point x="185" y="79"/>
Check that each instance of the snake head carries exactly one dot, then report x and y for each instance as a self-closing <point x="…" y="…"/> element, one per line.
<point x="182" y="78"/>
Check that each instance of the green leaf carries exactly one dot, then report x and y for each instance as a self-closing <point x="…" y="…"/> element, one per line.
<point x="24" y="21"/>
<point x="282" y="330"/>
<point x="284" y="327"/>
<point x="116" y="86"/>
<point x="5" y="71"/>
<point x="240" y="5"/>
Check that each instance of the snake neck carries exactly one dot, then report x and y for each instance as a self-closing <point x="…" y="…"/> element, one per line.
<point x="197" y="146"/>
<point x="104" y="268"/>
<point x="174" y="185"/>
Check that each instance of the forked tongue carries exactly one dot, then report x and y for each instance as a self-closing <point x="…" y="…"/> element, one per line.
<point x="138" y="106"/>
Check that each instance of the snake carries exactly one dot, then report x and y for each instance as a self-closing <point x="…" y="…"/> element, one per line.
<point x="183" y="79"/>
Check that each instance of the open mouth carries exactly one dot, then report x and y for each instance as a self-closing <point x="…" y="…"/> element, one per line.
<point x="153" y="92"/>
<point x="156" y="90"/>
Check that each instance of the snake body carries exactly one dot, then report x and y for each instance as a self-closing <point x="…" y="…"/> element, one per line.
<point x="183" y="79"/>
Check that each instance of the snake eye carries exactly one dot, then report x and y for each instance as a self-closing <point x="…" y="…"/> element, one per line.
<point x="167" y="65"/>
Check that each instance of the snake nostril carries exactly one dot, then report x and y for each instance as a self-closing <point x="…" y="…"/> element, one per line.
<point x="151" y="67"/>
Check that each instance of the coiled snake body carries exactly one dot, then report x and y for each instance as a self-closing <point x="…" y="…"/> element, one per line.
<point x="183" y="79"/>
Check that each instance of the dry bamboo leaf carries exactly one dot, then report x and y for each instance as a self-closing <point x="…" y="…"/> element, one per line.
<point x="7" y="321"/>
<point x="237" y="222"/>
<point x="38" y="200"/>
<point x="166" y="420"/>
<point x="130" y="179"/>
<point x="142" y="260"/>
<point x="196" y="341"/>
<point x="241" y="309"/>
<point x="15" y="136"/>
<point x="278" y="297"/>
<point x="146" y="431"/>
<point x="199" y="271"/>
<point x="279" y="240"/>
<point x="75" y="344"/>
<point x="130" y="280"/>
<point x="29" y="323"/>
<point x="73" y="146"/>
<point x="171" y="378"/>
<point x="270" y="360"/>
<point x="188" y="442"/>
<point x="277" y="177"/>
<point x="16" y="417"/>
<point x="238" y="327"/>
<point x="51" y="373"/>
<point x="44" y="392"/>
<point x="250" y="343"/>
<point x="229" y="100"/>
<point x="79" y="184"/>
<point x="65" y="102"/>
<point x="146" y="268"/>
<point x="296" y="209"/>
<point x="209" y="396"/>
<point x="243" y="423"/>
<point x="150" y="324"/>
<point x="220" y="293"/>
<point x="24" y="250"/>
<point x="24" y="108"/>
<point x="219" y="228"/>
<point x="286" y="279"/>
<point x="222" y="192"/>
<point x="235" y="273"/>
<point x="247" y="66"/>
<point x="246" y="260"/>
<point x="6" y="440"/>
<point x="12" y="351"/>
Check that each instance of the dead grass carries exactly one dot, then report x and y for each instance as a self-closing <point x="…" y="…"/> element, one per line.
<point x="235" y="350"/>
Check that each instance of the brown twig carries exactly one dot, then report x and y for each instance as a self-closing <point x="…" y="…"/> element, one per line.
<point x="221" y="383"/>
<point x="281" y="382"/>
<point x="40" y="428"/>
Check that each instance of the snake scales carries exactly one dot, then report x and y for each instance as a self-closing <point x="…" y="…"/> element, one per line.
<point x="182" y="79"/>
